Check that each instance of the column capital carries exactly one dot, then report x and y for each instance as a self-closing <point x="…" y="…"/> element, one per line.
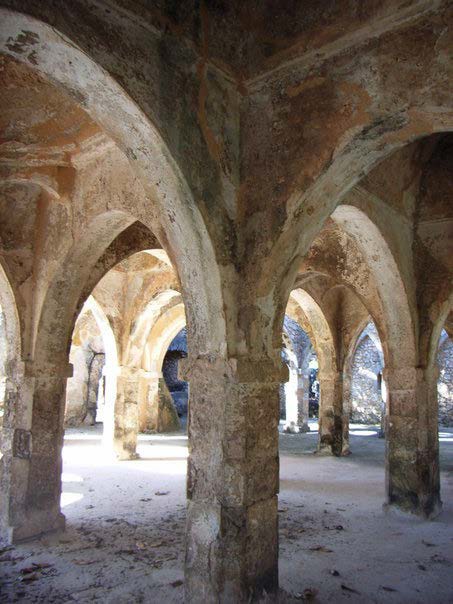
<point x="32" y="369"/>
<point x="242" y="370"/>
<point x="407" y="378"/>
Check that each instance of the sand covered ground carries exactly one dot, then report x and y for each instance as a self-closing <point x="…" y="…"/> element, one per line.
<point x="125" y="528"/>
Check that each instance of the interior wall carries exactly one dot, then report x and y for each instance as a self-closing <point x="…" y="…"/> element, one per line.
<point x="366" y="398"/>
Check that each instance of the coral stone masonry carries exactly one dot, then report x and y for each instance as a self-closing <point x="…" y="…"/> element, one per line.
<point x="231" y="221"/>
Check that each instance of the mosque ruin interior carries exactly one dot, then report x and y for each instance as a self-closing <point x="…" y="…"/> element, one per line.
<point x="226" y="302"/>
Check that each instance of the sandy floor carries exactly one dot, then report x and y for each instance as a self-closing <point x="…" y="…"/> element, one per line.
<point x="125" y="523"/>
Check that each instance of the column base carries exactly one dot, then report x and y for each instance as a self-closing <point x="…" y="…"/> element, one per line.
<point x="412" y="506"/>
<point x="327" y="451"/>
<point x="324" y="450"/>
<point x="33" y="527"/>
<point x="228" y="532"/>
<point x="304" y="427"/>
<point x="127" y="456"/>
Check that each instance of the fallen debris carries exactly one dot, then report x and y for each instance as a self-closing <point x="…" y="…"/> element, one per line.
<point x="30" y="578"/>
<point x="321" y="548"/>
<point x="349" y="589"/>
<point x="308" y="594"/>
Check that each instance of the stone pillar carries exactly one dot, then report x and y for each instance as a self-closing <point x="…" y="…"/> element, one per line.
<point x="291" y="399"/>
<point x="32" y="441"/>
<point x="167" y="416"/>
<point x="303" y="398"/>
<point x="233" y="479"/>
<point x="157" y="410"/>
<point x="125" y="432"/>
<point x="412" y="448"/>
<point x="148" y="400"/>
<point x="384" y="397"/>
<point x="333" y="431"/>
<point x="346" y="410"/>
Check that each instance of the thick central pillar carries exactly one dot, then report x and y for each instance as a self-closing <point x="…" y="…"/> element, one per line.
<point x="412" y="451"/>
<point x="333" y="422"/>
<point x="157" y="411"/>
<point x="32" y="441"/>
<point x="233" y="478"/>
<point x="148" y="400"/>
<point x="125" y="432"/>
<point x="303" y="400"/>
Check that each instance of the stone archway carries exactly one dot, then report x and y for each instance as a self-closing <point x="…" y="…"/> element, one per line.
<point x="167" y="326"/>
<point x="40" y="506"/>
<point x="330" y="400"/>
<point x="177" y="221"/>
<point x="157" y="410"/>
<point x="143" y="324"/>
<point x="395" y="320"/>
<point x="395" y="323"/>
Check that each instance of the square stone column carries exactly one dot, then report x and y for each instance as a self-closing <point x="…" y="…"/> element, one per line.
<point x="346" y="412"/>
<point x="303" y="401"/>
<point x="32" y="441"/>
<point x="333" y="422"/>
<point x="157" y="412"/>
<point x="233" y="479"/>
<point x="412" y="447"/>
<point x="167" y="416"/>
<point x="148" y="400"/>
<point x="125" y="432"/>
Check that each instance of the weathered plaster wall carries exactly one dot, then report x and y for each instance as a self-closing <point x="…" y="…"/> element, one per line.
<point x="245" y="140"/>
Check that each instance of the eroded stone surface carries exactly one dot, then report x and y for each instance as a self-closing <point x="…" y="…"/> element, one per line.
<point x="287" y="160"/>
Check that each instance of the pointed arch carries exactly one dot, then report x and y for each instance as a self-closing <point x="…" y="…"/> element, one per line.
<point x="167" y="326"/>
<point x="59" y="309"/>
<point x="321" y="332"/>
<point x="143" y="324"/>
<point x="177" y="221"/>
<point x="396" y="324"/>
